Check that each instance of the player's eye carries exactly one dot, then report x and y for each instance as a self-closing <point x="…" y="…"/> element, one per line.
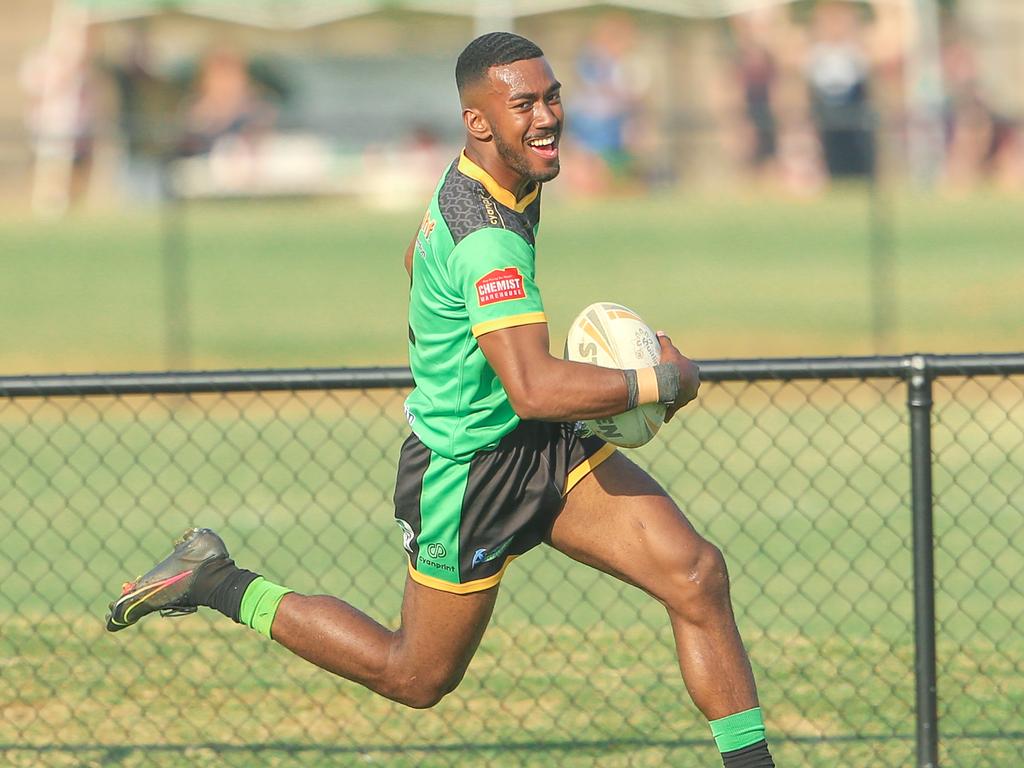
<point x="555" y="98"/>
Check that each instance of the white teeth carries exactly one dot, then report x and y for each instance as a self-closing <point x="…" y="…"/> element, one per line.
<point x="542" y="142"/>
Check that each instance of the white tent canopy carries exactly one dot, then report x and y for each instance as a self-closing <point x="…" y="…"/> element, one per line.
<point x="300" y="14"/>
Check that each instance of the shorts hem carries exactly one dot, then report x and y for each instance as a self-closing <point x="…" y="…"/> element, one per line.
<point x="466" y="587"/>
<point x="587" y="466"/>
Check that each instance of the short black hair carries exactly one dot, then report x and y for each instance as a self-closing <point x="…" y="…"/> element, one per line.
<point x="492" y="50"/>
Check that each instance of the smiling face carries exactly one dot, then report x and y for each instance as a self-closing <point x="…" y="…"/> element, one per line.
<point x="517" y="109"/>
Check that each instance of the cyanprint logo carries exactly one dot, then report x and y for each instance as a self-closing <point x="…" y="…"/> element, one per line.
<point x="436" y="550"/>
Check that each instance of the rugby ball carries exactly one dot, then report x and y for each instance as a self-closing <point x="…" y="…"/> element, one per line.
<point x="613" y="336"/>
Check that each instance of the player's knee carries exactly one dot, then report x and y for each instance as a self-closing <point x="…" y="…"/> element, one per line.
<point x="425" y="691"/>
<point x="698" y="581"/>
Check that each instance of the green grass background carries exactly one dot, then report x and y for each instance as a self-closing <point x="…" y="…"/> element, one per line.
<point x="804" y="485"/>
<point x="322" y="283"/>
<point x="808" y="498"/>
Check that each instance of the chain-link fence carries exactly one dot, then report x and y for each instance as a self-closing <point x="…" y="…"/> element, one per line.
<point x="814" y="476"/>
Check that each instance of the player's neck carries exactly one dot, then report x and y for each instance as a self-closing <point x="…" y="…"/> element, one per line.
<point x="491" y="163"/>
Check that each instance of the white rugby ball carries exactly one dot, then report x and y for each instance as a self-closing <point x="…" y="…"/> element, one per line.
<point x="613" y="336"/>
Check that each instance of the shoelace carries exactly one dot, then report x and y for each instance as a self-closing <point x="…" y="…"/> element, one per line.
<point x="178" y="610"/>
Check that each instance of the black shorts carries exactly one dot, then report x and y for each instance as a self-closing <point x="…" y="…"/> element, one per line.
<point x="464" y="522"/>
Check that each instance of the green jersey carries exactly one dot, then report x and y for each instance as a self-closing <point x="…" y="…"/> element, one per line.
<point x="472" y="273"/>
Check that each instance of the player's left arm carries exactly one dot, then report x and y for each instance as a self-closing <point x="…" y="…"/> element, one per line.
<point x="409" y="254"/>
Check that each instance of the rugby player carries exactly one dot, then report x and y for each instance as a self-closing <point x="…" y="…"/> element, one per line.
<point x="495" y="463"/>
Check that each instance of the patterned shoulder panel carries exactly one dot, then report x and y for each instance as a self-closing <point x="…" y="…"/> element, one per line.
<point x="467" y="206"/>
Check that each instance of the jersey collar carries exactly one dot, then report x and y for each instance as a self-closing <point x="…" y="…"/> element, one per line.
<point x="468" y="168"/>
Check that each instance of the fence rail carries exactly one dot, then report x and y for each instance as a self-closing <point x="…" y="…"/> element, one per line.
<point x="869" y="508"/>
<point x="299" y="379"/>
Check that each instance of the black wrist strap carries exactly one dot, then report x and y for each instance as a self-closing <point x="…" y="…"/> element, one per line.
<point x="632" y="389"/>
<point x="668" y="383"/>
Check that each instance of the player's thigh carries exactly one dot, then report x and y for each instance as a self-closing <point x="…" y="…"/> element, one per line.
<point x="441" y="631"/>
<point x="618" y="519"/>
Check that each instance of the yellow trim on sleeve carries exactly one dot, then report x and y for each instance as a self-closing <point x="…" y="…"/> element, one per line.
<point x="587" y="466"/>
<point x="459" y="589"/>
<point x="468" y="168"/>
<point x="527" y="318"/>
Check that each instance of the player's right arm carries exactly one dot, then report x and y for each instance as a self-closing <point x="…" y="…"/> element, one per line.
<point x="493" y="272"/>
<point x="546" y="388"/>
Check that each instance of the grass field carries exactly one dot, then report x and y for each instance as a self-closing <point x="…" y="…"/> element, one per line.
<point x="804" y="485"/>
<point x="300" y="284"/>
<point x="807" y="496"/>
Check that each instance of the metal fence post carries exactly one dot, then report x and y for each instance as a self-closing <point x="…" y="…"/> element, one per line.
<point x="919" y="402"/>
<point x="174" y="265"/>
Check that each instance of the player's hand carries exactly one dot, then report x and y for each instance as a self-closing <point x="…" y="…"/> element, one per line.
<point x="689" y="374"/>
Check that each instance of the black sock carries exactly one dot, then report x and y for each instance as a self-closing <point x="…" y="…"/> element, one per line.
<point x="754" y="756"/>
<point x="220" y="585"/>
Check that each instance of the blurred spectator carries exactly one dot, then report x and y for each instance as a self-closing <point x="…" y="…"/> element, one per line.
<point x="605" y="103"/>
<point x="394" y="176"/>
<point x="63" y="92"/>
<point x="148" y="105"/>
<point x="226" y="103"/>
<point x="756" y="71"/>
<point x="981" y="143"/>
<point x="426" y="156"/>
<point x="838" y="71"/>
<point x="761" y="97"/>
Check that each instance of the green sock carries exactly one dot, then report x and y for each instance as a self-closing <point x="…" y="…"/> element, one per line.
<point x="259" y="604"/>
<point x="737" y="731"/>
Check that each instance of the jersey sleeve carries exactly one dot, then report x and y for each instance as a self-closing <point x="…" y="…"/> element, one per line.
<point x="493" y="270"/>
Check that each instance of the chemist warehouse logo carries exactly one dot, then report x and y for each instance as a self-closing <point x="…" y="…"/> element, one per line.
<point x="500" y="285"/>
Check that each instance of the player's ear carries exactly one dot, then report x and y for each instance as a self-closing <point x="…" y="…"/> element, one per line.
<point x="477" y="125"/>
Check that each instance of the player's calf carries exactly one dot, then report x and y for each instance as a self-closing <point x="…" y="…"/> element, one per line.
<point x="696" y="594"/>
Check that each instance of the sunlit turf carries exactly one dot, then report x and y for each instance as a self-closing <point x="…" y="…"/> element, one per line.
<point x="804" y="487"/>
<point x="321" y="283"/>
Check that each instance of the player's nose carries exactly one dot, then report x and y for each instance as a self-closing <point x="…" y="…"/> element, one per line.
<point x="544" y="116"/>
